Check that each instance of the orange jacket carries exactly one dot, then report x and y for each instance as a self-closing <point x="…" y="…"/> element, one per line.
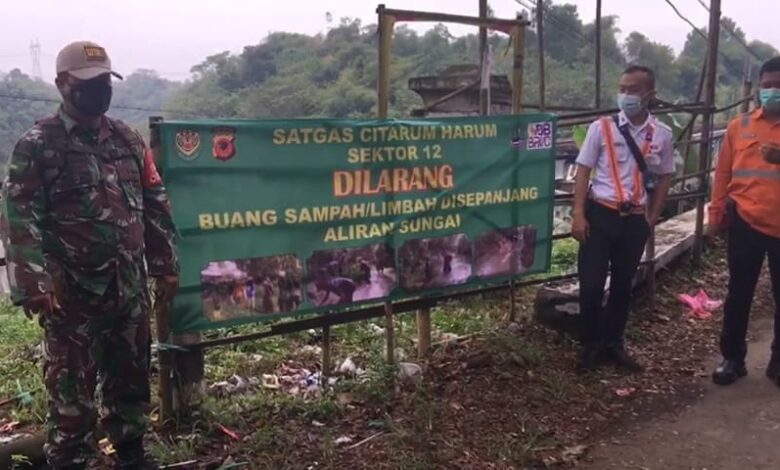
<point x="743" y="176"/>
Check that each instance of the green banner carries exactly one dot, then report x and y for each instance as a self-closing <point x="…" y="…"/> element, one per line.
<point x="283" y="218"/>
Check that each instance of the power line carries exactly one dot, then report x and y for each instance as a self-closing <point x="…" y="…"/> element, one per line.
<point x="126" y="108"/>
<point x="572" y="33"/>
<point x="733" y="34"/>
<point x="726" y="59"/>
<point x="548" y="16"/>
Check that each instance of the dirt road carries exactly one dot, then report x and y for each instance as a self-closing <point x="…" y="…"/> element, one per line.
<point x="730" y="428"/>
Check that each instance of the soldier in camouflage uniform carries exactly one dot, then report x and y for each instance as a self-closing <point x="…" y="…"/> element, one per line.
<point x="88" y="220"/>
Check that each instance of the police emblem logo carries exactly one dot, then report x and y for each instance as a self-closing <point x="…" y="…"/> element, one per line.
<point x="224" y="143"/>
<point x="187" y="143"/>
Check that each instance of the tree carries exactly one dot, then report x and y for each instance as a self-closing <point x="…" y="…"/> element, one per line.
<point x="334" y="74"/>
<point x="660" y="57"/>
<point x="22" y="101"/>
<point x="142" y="89"/>
<point x="563" y="31"/>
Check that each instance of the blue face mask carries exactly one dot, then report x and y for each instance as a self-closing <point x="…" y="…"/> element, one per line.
<point x="631" y="105"/>
<point x="770" y="99"/>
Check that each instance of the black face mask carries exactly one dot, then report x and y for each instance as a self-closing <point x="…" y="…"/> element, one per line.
<point x="91" y="98"/>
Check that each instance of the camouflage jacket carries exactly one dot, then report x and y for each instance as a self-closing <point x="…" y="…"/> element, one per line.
<point x="84" y="206"/>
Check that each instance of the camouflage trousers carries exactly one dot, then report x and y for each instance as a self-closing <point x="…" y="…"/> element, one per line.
<point x="96" y="350"/>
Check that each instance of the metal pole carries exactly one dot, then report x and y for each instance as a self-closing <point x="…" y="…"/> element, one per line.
<point x="705" y="148"/>
<point x="483" y="62"/>
<point x="598" y="53"/>
<point x="540" y="38"/>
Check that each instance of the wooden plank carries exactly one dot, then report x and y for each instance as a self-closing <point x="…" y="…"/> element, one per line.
<point x="423" y="332"/>
<point x="389" y="333"/>
<point x="411" y="15"/>
<point x="518" y="51"/>
<point x="326" y="351"/>
<point x="162" y="314"/>
<point x="386" y="23"/>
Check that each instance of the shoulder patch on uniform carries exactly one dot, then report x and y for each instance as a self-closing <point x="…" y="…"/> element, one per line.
<point x="31" y="142"/>
<point x="151" y="177"/>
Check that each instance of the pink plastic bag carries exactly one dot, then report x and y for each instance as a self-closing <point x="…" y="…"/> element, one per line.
<point x="700" y="305"/>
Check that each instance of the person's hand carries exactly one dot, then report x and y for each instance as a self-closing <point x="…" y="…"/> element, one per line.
<point x="580" y="229"/>
<point x="651" y="220"/>
<point x="43" y="304"/>
<point x="771" y="153"/>
<point x="713" y="231"/>
<point x="166" y="287"/>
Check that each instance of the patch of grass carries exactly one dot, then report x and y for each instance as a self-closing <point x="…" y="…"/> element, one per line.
<point x="19" y="462"/>
<point x="469" y="315"/>
<point x="21" y="372"/>
<point x="357" y="336"/>
<point x="175" y="449"/>
<point x="328" y="448"/>
<point x="518" y="449"/>
<point x="523" y="353"/>
<point x="324" y="409"/>
<point x="564" y="256"/>
<point x="425" y="407"/>
<point x="557" y="385"/>
<point x="266" y="439"/>
<point x="375" y="387"/>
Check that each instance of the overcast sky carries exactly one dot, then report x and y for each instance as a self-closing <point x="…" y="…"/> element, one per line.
<point x="172" y="35"/>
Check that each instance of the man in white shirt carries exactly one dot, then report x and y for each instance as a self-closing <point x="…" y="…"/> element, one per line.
<point x="617" y="198"/>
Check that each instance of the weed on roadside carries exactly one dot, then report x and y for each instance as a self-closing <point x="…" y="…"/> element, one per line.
<point x="20" y="364"/>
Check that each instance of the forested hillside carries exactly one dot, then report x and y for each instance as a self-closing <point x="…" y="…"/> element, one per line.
<point x="334" y="74"/>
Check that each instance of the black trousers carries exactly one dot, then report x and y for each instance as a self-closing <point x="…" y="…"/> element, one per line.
<point x="615" y="246"/>
<point x="746" y="251"/>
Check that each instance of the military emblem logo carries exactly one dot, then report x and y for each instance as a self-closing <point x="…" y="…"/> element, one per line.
<point x="224" y="143"/>
<point x="187" y="143"/>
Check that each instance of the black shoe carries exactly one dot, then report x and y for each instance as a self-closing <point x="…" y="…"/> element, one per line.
<point x="590" y="358"/>
<point x="132" y="456"/>
<point x="773" y="370"/>
<point x="618" y="355"/>
<point x="729" y="372"/>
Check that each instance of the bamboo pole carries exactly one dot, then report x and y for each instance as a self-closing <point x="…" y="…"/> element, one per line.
<point x="705" y="148"/>
<point x="385" y="42"/>
<point x="408" y="15"/>
<point x="484" y="106"/>
<point x="423" y="332"/>
<point x="518" y="50"/>
<point x="540" y="39"/>
<point x="326" y="350"/>
<point x="162" y="312"/>
<point x="747" y="90"/>
<point x="389" y="333"/>
<point x="598" y="53"/>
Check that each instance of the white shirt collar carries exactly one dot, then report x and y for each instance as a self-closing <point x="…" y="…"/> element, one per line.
<point x="623" y="119"/>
